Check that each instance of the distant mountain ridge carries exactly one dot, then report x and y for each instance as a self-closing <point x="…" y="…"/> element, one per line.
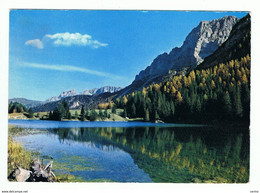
<point x="26" y="102"/>
<point x="101" y="90"/>
<point x="75" y="102"/>
<point x="208" y="44"/>
<point x="94" y="91"/>
<point x="201" y="42"/>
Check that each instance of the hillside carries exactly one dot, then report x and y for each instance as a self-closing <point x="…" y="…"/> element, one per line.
<point x="214" y="91"/>
<point x="75" y="102"/>
<point x="201" y="42"/>
<point x="237" y="46"/>
<point x="26" y="102"/>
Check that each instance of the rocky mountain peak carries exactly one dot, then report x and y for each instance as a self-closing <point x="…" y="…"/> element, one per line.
<point x="201" y="42"/>
<point x="101" y="90"/>
<point x="62" y="95"/>
<point x="94" y="91"/>
<point x="68" y="93"/>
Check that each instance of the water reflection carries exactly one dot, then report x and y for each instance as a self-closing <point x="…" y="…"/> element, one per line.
<point x="173" y="154"/>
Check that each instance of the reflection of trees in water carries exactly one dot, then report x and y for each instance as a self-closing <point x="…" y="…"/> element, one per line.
<point x="85" y="136"/>
<point x="178" y="155"/>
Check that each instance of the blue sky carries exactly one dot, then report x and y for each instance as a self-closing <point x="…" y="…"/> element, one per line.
<point x="51" y="51"/>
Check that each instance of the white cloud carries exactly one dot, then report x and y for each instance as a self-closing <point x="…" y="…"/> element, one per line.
<point x="69" y="39"/>
<point x="69" y="68"/>
<point x="35" y="43"/>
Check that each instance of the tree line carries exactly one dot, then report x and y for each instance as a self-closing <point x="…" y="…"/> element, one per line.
<point x="221" y="92"/>
<point x="63" y="112"/>
<point x="15" y="107"/>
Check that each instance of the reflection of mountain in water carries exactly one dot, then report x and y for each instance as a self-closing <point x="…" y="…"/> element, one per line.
<point x="174" y="154"/>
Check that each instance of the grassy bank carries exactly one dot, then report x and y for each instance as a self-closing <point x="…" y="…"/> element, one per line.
<point x="17" y="155"/>
<point x="44" y="116"/>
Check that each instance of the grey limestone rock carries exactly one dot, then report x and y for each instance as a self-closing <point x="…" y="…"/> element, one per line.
<point x="201" y="42"/>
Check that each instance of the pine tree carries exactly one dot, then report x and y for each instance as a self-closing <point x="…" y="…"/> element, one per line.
<point x="93" y="115"/>
<point x="227" y="104"/>
<point x="238" y="103"/>
<point x="156" y="116"/>
<point x="82" y="113"/>
<point x="56" y="115"/>
<point x="100" y="114"/>
<point x="61" y="110"/>
<point x="106" y="113"/>
<point x="114" y="109"/>
<point x="76" y="115"/>
<point x="125" y="113"/>
<point x="50" y="115"/>
<point x="69" y="116"/>
<point x="147" y="117"/>
<point x="133" y="110"/>
<point x="30" y="113"/>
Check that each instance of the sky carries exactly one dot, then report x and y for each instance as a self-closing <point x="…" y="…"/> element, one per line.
<point x="51" y="51"/>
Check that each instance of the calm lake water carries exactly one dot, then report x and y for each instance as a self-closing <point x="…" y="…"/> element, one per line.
<point x="140" y="152"/>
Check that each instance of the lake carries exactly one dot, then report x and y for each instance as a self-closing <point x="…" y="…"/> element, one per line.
<point x="140" y="152"/>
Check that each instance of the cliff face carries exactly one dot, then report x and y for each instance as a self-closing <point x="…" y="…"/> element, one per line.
<point x="237" y="45"/>
<point x="94" y="91"/>
<point x="62" y="95"/>
<point x="201" y="42"/>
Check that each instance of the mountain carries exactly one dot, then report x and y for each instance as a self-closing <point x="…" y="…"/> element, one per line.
<point x="75" y="102"/>
<point x="201" y="42"/>
<point x="236" y="46"/>
<point x="62" y="95"/>
<point x="94" y="91"/>
<point x="26" y="102"/>
<point x="216" y="91"/>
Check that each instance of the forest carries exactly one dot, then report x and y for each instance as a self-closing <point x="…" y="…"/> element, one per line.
<point x="218" y="93"/>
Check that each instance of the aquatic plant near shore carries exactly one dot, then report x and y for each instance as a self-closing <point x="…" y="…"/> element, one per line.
<point x="17" y="156"/>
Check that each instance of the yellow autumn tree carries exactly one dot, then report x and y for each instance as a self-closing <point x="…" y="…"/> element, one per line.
<point x="173" y="90"/>
<point x="179" y="97"/>
<point x="192" y="75"/>
<point x="124" y="100"/>
<point x="213" y="85"/>
<point x="244" y="79"/>
<point x="111" y="104"/>
<point x="156" y="87"/>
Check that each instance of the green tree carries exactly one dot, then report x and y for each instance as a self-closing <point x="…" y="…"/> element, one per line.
<point x="106" y="113"/>
<point x="62" y="110"/>
<point x="30" y="113"/>
<point x="147" y="117"/>
<point x="156" y="116"/>
<point x="101" y="114"/>
<point x="50" y="115"/>
<point x="69" y="116"/>
<point x="227" y="104"/>
<point x="76" y="115"/>
<point x="93" y="115"/>
<point x="82" y="113"/>
<point x="56" y="115"/>
<point x="133" y="110"/>
<point x="124" y="113"/>
<point x="114" y="109"/>
<point x="238" y="103"/>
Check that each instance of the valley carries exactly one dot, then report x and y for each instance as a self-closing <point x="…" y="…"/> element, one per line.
<point x="183" y="118"/>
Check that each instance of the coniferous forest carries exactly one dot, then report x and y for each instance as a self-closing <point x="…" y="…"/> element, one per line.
<point x="218" y="93"/>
